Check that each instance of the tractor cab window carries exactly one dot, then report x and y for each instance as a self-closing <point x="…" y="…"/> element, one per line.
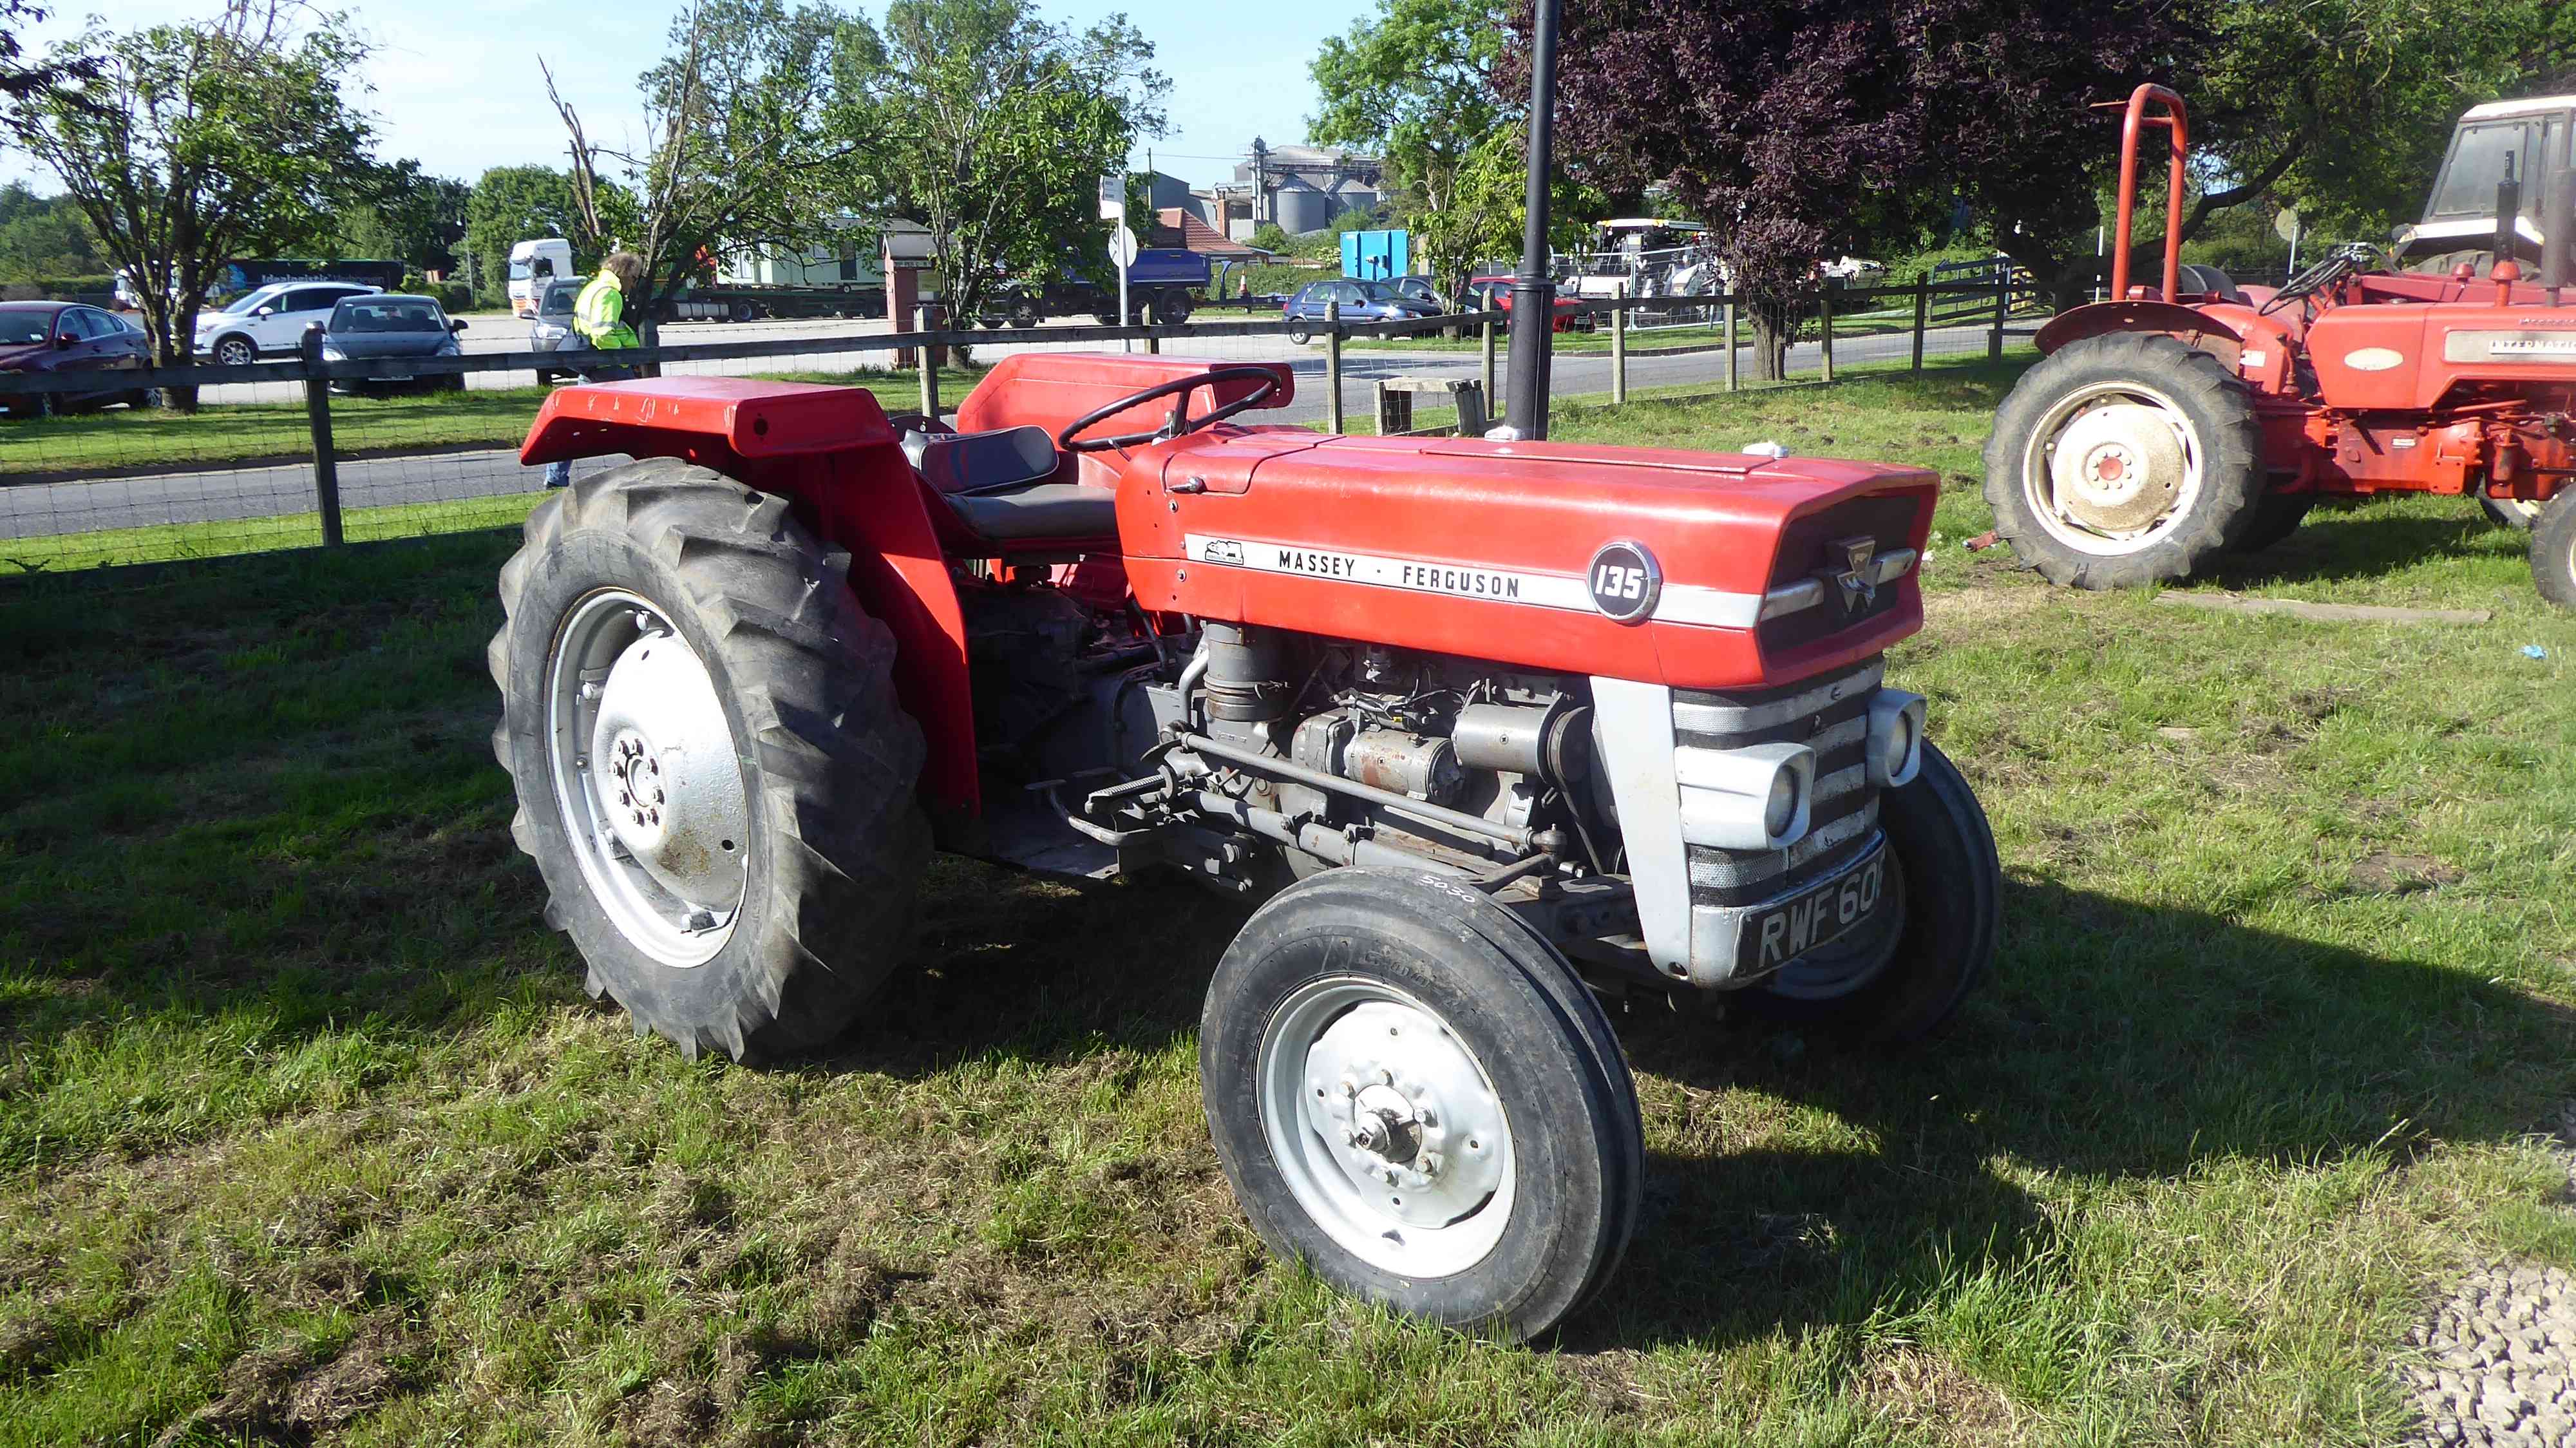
<point x="2477" y="162"/>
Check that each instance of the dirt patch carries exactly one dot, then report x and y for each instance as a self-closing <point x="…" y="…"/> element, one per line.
<point x="2383" y="873"/>
<point x="1930" y="1395"/>
<point x="294" y="1390"/>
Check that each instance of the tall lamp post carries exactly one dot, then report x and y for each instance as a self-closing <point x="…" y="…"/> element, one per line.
<point x="1533" y="295"/>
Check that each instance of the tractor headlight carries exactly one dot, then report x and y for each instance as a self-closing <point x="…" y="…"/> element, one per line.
<point x="1754" y="798"/>
<point x="1895" y="748"/>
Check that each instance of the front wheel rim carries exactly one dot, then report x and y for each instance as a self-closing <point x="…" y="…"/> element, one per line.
<point x="233" y="354"/>
<point x="646" y="778"/>
<point x="1387" y="1129"/>
<point x="2113" y="468"/>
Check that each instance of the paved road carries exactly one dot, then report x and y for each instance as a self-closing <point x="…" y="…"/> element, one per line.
<point x="48" y="509"/>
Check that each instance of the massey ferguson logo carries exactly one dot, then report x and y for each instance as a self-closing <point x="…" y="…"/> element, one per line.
<point x="1625" y="582"/>
<point x="1858" y="581"/>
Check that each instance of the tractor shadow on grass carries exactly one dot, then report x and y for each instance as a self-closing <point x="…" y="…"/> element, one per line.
<point x="2371" y="540"/>
<point x="2114" y="1041"/>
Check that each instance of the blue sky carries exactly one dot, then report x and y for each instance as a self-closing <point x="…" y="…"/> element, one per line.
<point x="456" y="81"/>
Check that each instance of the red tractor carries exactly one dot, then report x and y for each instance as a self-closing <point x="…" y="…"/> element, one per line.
<point x="2169" y="425"/>
<point x="1492" y="729"/>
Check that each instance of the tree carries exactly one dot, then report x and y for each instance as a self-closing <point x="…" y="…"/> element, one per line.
<point x="1803" y="129"/>
<point x="189" y="145"/>
<point x="57" y="76"/>
<point x="1415" y="84"/>
<point x="511" y="204"/>
<point x="752" y="145"/>
<point x="991" y="127"/>
<point x="44" y="237"/>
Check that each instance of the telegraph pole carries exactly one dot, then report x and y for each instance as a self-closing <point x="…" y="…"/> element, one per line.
<point x="1533" y="296"/>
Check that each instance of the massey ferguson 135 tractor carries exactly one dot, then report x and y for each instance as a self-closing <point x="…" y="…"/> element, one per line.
<point x="2170" y="425"/>
<point x="1490" y="726"/>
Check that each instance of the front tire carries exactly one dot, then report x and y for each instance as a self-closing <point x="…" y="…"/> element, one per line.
<point x="1952" y="894"/>
<point x="713" y="775"/>
<point x="1413" y="1094"/>
<point x="2553" y="551"/>
<point x="2125" y="460"/>
<point x="235" y="352"/>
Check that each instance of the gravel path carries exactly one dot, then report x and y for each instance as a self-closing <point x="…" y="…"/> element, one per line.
<point x="2502" y="1361"/>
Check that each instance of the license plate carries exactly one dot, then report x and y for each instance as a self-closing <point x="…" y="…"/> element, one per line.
<point x="1815" y="918"/>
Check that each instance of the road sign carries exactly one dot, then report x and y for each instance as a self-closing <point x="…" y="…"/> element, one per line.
<point x="1122" y="248"/>
<point x="1113" y="198"/>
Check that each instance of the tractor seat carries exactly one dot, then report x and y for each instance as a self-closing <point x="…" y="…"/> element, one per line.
<point x="1002" y="485"/>
<point x="2210" y="281"/>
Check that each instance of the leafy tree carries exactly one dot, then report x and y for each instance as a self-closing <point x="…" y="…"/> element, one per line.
<point x="508" y="205"/>
<point x="752" y="142"/>
<point x="1810" y="128"/>
<point x="21" y="79"/>
<point x="44" y="237"/>
<point x="1416" y="84"/>
<point x="189" y="145"/>
<point x="991" y="126"/>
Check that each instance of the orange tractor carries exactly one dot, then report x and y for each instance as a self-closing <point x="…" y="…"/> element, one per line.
<point x="2173" y="423"/>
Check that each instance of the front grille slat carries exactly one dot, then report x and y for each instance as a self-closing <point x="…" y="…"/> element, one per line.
<point x="1830" y="716"/>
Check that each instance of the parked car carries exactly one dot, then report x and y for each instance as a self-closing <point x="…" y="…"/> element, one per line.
<point x="1420" y="289"/>
<point x="67" y="337"/>
<point x="390" y="326"/>
<point x="1494" y="294"/>
<point x="550" y="330"/>
<point x="270" y="319"/>
<point x="1361" y="302"/>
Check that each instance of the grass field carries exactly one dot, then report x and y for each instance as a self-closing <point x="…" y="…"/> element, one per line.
<point x="120" y="437"/>
<point x="308" y="1136"/>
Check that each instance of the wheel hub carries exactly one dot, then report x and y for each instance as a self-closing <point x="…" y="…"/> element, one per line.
<point x="2118" y="468"/>
<point x="1406" y="1114"/>
<point x="663" y="762"/>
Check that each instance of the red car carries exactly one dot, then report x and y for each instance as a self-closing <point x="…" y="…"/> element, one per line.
<point x="1495" y="293"/>
<point x="69" y="337"/>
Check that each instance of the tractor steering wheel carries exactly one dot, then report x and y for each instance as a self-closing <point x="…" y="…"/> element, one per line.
<point x="1180" y="424"/>
<point x="2344" y="260"/>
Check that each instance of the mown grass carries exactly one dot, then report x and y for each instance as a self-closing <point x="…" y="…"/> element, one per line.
<point x="307" y="1135"/>
<point x="130" y="438"/>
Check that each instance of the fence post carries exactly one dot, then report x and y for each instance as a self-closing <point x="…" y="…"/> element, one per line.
<point x="2003" y="303"/>
<point x="1153" y="322"/>
<point x="929" y="367"/>
<point x="1487" y="327"/>
<point x="1333" y="363"/>
<point x="1619" y="346"/>
<point x="1922" y="315"/>
<point x="317" y="412"/>
<point x="1730" y="344"/>
<point x="1825" y="328"/>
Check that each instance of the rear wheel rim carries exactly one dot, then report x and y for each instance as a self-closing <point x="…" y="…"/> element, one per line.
<point x="1387" y="1129"/>
<point x="2113" y="468"/>
<point x="647" y="778"/>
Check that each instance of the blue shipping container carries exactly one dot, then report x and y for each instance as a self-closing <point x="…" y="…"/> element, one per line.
<point x="1377" y="255"/>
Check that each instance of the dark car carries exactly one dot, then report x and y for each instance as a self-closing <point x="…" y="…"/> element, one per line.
<point x="1494" y="294"/>
<point x="387" y="327"/>
<point x="68" y="337"/>
<point x="1361" y="302"/>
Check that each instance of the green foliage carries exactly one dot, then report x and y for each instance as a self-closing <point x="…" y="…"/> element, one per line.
<point x="197" y="143"/>
<point x="511" y="204"/>
<point x="1415" y="83"/>
<point x="992" y="126"/>
<point x="1271" y="238"/>
<point x="403" y="215"/>
<point x="44" y="236"/>
<point x="455" y="296"/>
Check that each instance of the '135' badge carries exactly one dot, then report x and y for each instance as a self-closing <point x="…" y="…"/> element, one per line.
<point x="1625" y="581"/>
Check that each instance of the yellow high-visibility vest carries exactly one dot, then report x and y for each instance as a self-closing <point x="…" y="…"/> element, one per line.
<point x="599" y="314"/>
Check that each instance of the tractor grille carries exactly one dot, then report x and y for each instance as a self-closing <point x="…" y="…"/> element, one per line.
<point x="1810" y="548"/>
<point x="1830" y="715"/>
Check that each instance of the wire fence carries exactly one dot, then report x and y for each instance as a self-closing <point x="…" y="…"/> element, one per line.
<point x="306" y="452"/>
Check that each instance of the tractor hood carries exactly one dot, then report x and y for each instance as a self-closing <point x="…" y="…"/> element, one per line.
<point x="1694" y="570"/>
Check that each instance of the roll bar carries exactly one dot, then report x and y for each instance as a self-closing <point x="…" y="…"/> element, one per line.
<point x="2175" y="120"/>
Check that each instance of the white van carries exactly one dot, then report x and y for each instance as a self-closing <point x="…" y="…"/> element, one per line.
<point x="532" y="265"/>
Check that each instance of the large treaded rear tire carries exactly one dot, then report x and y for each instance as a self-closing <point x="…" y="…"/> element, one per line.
<point x="2214" y="403"/>
<point x="836" y="840"/>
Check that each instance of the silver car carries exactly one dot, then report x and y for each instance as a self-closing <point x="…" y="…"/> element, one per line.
<point x="550" y="330"/>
